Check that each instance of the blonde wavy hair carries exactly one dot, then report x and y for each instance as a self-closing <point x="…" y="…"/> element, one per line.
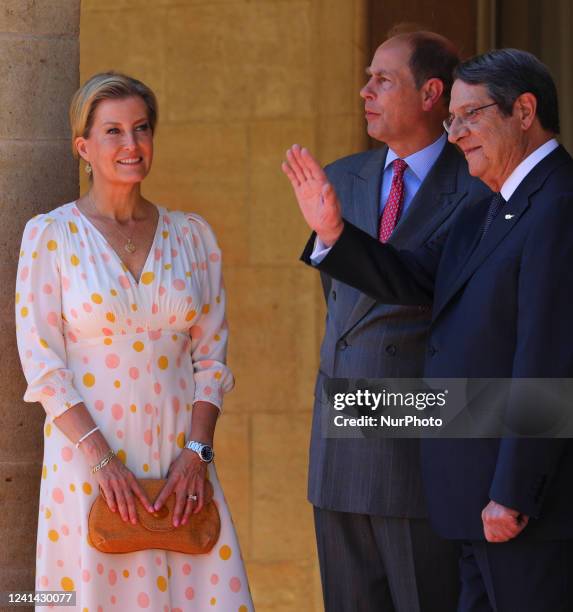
<point x="106" y="86"/>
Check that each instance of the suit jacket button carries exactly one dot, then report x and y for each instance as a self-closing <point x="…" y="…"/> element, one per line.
<point x="334" y="295"/>
<point x="432" y="350"/>
<point x="391" y="349"/>
<point x="341" y="345"/>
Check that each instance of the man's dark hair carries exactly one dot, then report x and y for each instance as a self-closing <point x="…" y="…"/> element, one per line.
<point x="508" y="73"/>
<point x="433" y="56"/>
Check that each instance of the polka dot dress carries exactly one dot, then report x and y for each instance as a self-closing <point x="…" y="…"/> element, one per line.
<point x="138" y="354"/>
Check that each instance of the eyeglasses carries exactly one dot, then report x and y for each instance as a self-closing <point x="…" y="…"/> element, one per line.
<point x="468" y="117"/>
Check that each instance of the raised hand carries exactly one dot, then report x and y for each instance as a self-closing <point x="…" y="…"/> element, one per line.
<point x="316" y="197"/>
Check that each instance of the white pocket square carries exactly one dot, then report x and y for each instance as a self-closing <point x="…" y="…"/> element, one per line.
<point x="508" y="217"/>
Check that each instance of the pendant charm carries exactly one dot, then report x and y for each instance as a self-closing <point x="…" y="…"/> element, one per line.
<point x="129" y="246"/>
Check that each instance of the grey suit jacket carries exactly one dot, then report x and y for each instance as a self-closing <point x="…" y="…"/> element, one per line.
<point x="366" y="339"/>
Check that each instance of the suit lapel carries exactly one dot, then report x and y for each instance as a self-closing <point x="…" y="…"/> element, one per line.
<point x="364" y="213"/>
<point x="432" y="204"/>
<point x="508" y="217"/>
<point x="365" y="206"/>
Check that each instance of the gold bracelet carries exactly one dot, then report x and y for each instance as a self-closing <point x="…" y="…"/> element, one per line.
<point x="103" y="462"/>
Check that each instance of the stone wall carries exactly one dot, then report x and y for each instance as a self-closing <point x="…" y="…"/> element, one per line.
<point x="239" y="81"/>
<point x="39" y="71"/>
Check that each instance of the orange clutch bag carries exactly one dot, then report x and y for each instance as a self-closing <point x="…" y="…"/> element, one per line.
<point x="109" y="534"/>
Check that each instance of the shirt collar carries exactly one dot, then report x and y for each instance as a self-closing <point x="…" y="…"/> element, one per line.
<point x="420" y="162"/>
<point x="525" y="167"/>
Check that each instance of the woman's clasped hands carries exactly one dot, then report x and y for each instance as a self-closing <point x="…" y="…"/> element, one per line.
<point x="185" y="478"/>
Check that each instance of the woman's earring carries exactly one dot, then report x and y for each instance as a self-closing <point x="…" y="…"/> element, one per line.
<point x="88" y="168"/>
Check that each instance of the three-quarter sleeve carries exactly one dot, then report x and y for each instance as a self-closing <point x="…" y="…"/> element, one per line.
<point x="209" y="332"/>
<point x="39" y="325"/>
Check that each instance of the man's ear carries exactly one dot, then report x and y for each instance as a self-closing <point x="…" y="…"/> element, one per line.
<point x="525" y="109"/>
<point x="431" y="91"/>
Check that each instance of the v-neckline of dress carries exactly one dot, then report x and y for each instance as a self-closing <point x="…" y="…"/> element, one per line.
<point x="120" y="261"/>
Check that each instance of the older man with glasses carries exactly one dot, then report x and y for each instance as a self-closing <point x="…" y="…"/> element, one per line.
<point x="501" y="292"/>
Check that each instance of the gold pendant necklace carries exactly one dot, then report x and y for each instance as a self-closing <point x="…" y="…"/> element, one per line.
<point x="129" y="246"/>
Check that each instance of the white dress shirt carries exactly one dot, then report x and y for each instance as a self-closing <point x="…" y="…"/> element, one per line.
<point x="525" y="167"/>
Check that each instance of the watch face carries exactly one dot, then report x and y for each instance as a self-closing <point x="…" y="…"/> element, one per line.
<point x="207" y="454"/>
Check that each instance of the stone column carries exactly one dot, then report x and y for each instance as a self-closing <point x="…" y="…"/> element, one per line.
<point x="39" y="71"/>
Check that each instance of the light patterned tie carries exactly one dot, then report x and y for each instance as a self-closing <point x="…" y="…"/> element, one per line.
<point x="393" y="208"/>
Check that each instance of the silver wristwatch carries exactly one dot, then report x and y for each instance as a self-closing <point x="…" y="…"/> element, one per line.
<point x="205" y="452"/>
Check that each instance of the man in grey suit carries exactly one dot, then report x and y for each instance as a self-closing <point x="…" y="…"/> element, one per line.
<point x="376" y="549"/>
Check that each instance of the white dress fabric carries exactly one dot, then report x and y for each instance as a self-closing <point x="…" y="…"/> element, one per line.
<point x="138" y="355"/>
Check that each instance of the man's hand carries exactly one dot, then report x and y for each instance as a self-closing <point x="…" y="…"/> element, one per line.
<point x="501" y="524"/>
<point x="316" y="197"/>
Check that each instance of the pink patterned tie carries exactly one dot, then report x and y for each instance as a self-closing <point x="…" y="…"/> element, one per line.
<point x="393" y="206"/>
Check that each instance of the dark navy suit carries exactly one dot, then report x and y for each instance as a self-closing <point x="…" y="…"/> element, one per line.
<point x="501" y="308"/>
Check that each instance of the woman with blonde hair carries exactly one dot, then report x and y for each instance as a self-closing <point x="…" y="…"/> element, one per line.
<point x="122" y="335"/>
